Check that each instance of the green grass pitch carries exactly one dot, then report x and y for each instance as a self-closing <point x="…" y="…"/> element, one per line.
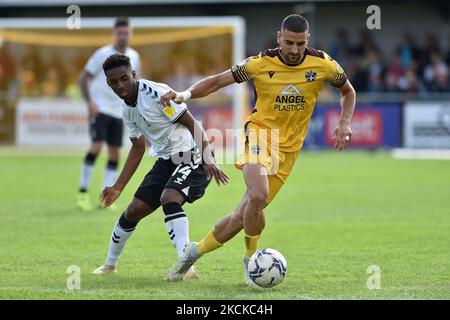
<point x="338" y="214"/>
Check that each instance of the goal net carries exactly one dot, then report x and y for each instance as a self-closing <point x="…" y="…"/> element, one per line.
<point x="42" y="59"/>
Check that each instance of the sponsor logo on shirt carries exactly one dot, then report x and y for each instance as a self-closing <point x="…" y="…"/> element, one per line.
<point x="290" y="99"/>
<point x="168" y="111"/>
<point x="290" y="89"/>
<point x="310" y="75"/>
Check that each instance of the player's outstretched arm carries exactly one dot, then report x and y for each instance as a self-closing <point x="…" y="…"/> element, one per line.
<point x="343" y="132"/>
<point x="200" y="89"/>
<point x="201" y="139"/>
<point x="110" y="194"/>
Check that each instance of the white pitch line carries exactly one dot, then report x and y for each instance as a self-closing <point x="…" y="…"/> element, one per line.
<point x="421" y="154"/>
<point x="131" y="293"/>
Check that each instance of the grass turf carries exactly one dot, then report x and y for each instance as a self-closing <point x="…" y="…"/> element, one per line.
<point x="338" y="214"/>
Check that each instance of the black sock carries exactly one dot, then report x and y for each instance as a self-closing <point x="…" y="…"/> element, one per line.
<point x="125" y="224"/>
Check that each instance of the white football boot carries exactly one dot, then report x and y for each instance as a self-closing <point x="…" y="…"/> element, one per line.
<point x="247" y="280"/>
<point x="191" y="274"/>
<point x="104" y="269"/>
<point x="190" y="255"/>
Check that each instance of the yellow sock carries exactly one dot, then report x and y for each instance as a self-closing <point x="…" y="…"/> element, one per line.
<point x="208" y="243"/>
<point x="251" y="244"/>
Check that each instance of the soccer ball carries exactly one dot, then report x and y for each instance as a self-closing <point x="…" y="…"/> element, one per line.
<point x="267" y="268"/>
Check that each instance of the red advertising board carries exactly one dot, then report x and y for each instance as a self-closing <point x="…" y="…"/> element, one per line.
<point x="216" y="122"/>
<point x="367" y="127"/>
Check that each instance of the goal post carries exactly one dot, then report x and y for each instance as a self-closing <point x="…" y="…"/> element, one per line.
<point x="48" y="57"/>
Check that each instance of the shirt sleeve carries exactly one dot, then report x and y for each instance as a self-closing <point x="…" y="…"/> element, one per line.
<point x="335" y="75"/>
<point x="175" y="111"/>
<point x="247" y="69"/>
<point x="94" y="63"/>
<point x="133" y="131"/>
<point x="172" y="112"/>
<point x="137" y="68"/>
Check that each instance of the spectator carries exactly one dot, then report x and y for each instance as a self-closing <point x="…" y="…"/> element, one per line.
<point x="340" y="49"/>
<point x="376" y="71"/>
<point x="407" y="50"/>
<point x="358" y="74"/>
<point x="395" y="72"/>
<point x="410" y="82"/>
<point x="436" y="73"/>
<point x="431" y="45"/>
<point x="364" y="45"/>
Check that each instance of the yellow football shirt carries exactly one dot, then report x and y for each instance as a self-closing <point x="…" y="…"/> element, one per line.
<point x="286" y="94"/>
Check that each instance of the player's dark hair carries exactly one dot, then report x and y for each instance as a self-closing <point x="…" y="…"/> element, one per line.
<point x="116" y="60"/>
<point x="121" y="22"/>
<point x="295" y="23"/>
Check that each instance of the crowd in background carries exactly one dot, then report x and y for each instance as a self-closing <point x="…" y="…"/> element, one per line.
<point x="415" y="65"/>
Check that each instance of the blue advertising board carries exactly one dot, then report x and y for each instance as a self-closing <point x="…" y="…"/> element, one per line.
<point x="374" y="125"/>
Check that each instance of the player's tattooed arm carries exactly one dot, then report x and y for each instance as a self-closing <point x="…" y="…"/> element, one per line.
<point x="343" y="132"/>
<point x="137" y="151"/>
<point x="201" y="139"/>
<point x="200" y="89"/>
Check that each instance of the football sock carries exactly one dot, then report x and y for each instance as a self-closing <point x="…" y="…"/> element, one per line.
<point x="251" y="244"/>
<point x="86" y="171"/>
<point x="177" y="225"/>
<point x="207" y="244"/>
<point x="110" y="174"/>
<point x="121" y="232"/>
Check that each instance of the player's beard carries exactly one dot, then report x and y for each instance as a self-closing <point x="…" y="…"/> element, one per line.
<point x="293" y="58"/>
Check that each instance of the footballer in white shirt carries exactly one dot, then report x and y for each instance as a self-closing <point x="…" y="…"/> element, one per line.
<point x="105" y="112"/>
<point x="184" y="167"/>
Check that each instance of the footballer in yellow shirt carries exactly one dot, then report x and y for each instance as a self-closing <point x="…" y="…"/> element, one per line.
<point x="287" y="83"/>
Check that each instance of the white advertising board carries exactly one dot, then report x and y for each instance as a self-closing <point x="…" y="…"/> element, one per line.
<point x="42" y="122"/>
<point x="426" y="124"/>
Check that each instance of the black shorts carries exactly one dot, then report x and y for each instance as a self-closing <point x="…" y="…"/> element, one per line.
<point x="188" y="178"/>
<point x="106" y="128"/>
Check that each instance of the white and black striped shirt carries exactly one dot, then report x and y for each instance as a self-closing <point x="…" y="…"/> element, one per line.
<point x="156" y="123"/>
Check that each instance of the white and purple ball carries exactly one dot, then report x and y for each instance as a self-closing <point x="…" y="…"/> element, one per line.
<point x="267" y="268"/>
